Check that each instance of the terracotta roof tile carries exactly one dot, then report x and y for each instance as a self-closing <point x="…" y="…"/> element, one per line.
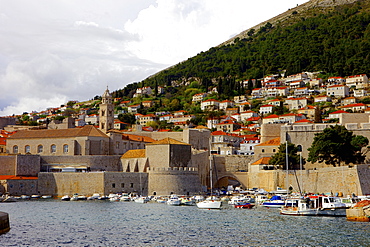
<point x="262" y="161"/>
<point x="87" y="130"/>
<point x="272" y="142"/>
<point x="134" y="153"/>
<point x="168" y="141"/>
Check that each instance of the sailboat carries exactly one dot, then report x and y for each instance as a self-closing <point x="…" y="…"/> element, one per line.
<point x="210" y="202"/>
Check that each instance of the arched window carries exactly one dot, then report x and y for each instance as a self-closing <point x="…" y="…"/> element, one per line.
<point x="53" y="148"/>
<point x="299" y="148"/>
<point x="263" y="150"/>
<point x="40" y="149"/>
<point x="65" y="148"/>
<point x="27" y="149"/>
<point x="15" y="149"/>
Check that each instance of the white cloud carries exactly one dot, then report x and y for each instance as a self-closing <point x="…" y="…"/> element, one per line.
<point x="70" y="50"/>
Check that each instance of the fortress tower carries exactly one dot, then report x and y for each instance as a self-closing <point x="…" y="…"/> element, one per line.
<point x="106" y="113"/>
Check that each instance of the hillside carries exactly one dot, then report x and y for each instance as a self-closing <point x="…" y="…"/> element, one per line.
<point x="330" y="36"/>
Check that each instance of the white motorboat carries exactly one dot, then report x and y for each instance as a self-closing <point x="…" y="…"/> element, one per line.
<point x="46" y="197"/>
<point x="35" y="196"/>
<point x="173" y="201"/>
<point x="141" y="199"/>
<point x="209" y="204"/>
<point x="125" y="198"/>
<point x="314" y="206"/>
<point x="66" y="198"/>
<point x="94" y="196"/>
<point x="25" y="197"/>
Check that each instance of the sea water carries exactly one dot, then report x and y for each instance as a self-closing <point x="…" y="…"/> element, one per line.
<point x="104" y="223"/>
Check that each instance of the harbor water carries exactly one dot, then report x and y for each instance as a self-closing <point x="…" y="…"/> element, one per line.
<point x="104" y="223"/>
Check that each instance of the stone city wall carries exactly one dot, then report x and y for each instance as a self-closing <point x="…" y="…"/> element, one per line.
<point x="104" y="183"/>
<point x="178" y="180"/>
<point x="95" y="162"/>
<point x="345" y="180"/>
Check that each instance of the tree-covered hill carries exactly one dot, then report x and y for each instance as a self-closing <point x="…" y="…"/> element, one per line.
<point x="333" y="39"/>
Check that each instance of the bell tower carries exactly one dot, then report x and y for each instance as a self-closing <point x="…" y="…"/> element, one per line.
<point x="106" y="112"/>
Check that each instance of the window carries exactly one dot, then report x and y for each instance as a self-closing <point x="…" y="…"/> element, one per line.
<point x="123" y="185"/>
<point x="53" y="148"/>
<point x="40" y="149"/>
<point x="117" y="145"/>
<point x="27" y="149"/>
<point x="15" y="149"/>
<point x="65" y="148"/>
<point x="131" y="185"/>
<point x="113" y="185"/>
<point x="274" y="150"/>
<point x="263" y="150"/>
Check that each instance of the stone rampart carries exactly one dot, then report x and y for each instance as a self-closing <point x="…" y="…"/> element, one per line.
<point x="345" y="180"/>
<point x="184" y="181"/>
<point x="95" y="162"/>
<point x="104" y="183"/>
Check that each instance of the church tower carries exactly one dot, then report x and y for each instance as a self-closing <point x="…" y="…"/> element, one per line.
<point x="106" y="112"/>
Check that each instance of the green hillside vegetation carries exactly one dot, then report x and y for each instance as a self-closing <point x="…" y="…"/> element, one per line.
<point x="333" y="40"/>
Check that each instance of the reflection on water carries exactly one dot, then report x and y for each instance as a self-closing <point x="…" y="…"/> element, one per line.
<point x="89" y="223"/>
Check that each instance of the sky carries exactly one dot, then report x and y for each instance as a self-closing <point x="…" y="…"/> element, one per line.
<point x="55" y="51"/>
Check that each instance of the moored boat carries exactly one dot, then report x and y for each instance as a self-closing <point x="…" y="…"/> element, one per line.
<point x="142" y="199"/>
<point x="209" y="204"/>
<point x="314" y="206"/>
<point x="244" y="205"/>
<point x="274" y="202"/>
<point x="173" y="201"/>
<point x="66" y="198"/>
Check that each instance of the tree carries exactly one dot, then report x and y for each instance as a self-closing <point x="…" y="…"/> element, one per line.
<point x="279" y="158"/>
<point x="335" y="145"/>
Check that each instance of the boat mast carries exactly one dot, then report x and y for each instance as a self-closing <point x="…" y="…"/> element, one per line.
<point x="210" y="173"/>
<point x="287" y="167"/>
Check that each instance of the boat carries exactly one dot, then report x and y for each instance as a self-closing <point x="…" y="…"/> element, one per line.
<point x="240" y="199"/>
<point x="7" y="198"/>
<point x="74" y="197"/>
<point x="66" y="198"/>
<point x="274" y="202"/>
<point x="314" y="206"/>
<point x="244" y="205"/>
<point x="35" y="196"/>
<point x="350" y="201"/>
<point x="187" y="201"/>
<point x="173" y="201"/>
<point x="125" y="197"/>
<point x="211" y="202"/>
<point x="141" y="199"/>
<point x="46" y="197"/>
<point x="81" y="198"/>
<point x="261" y="198"/>
<point x="25" y="197"/>
<point x="94" y="196"/>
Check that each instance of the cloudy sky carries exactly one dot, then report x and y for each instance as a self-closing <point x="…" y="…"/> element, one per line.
<point x="59" y="50"/>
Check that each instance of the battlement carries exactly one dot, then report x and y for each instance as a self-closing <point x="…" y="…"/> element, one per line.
<point x="164" y="169"/>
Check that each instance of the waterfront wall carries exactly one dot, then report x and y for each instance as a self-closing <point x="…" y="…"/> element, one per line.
<point x="174" y="180"/>
<point x="345" y="180"/>
<point x="104" y="183"/>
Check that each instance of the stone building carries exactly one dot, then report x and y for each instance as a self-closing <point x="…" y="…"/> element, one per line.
<point x="87" y="140"/>
<point x="106" y="112"/>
